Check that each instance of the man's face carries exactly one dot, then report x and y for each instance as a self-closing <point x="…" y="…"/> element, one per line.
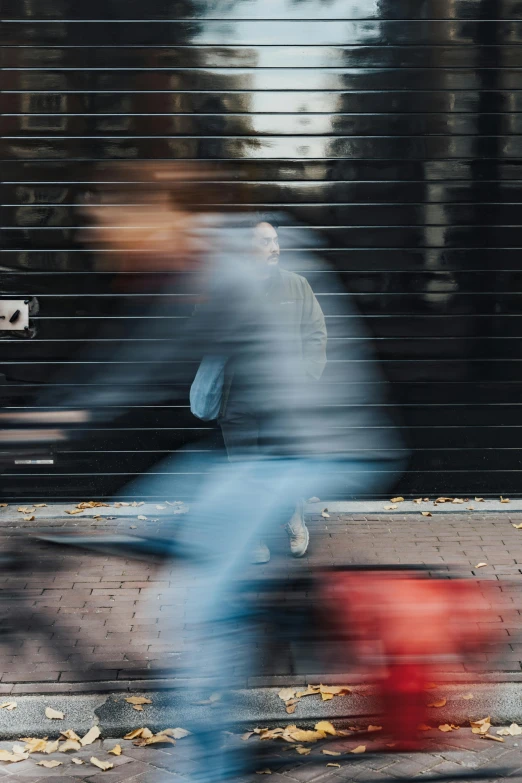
<point x="266" y="244"/>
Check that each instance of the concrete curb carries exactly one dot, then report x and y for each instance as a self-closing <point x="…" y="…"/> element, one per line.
<point x="246" y="708"/>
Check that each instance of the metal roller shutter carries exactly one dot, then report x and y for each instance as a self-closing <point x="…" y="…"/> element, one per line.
<point x="393" y="126"/>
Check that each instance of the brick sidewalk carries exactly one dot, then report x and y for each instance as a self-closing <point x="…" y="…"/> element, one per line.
<point x="110" y="615"/>
<point x="461" y="753"/>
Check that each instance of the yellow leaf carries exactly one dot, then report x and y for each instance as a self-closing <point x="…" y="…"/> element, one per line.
<point x="138" y="733"/>
<point x="53" y="714"/>
<point x="359" y="749"/>
<point x="417" y="500"/>
<point x="30" y="518"/>
<point x="138" y="700"/>
<point x="287" y="693"/>
<point x="445" y="727"/>
<point x="103" y="765"/>
<point x="518" y="527"/>
<point x="116" y="750"/>
<point x="156" y="739"/>
<point x="291" y="708"/>
<point x="480" y="565"/>
<point x="390" y="508"/>
<point x="326" y="726"/>
<point x="438" y="703"/>
<point x="333" y="764"/>
<point x="457" y="500"/>
<point x="467" y="696"/>
<point x="70" y="734"/>
<point x="331" y="752"/>
<point x="91" y="735"/>
<point x="374" y="728"/>
<point x="34" y="745"/>
<point x="51" y="747"/>
<point x="492" y="737"/>
<point x="302" y="750"/>
<point x="137" y="707"/>
<point x="503" y="500"/>
<point x="4" y="505"/>
<point x="335" y="690"/>
<point x="74" y="511"/>
<point x="77" y="761"/>
<point x="49" y="763"/>
<point x="397" y="500"/>
<point x="18" y="749"/>
<point x="40" y="505"/>
<point x="311" y="690"/>
<point x="479" y="500"/>
<point x="426" y="513"/>
<point x="510" y="731"/>
<point x="423" y="727"/>
<point x="481" y="726"/>
<point x="263" y="771"/>
<point x="69" y="744"/>
<point x="327" y="696"/>
<point x="8" y="705"/>
<point x="6" y="755"/>
<point x="304" y="735"/>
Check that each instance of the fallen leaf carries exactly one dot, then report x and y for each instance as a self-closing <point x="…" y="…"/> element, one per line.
<point x="34" y="745"/>
<point x="374" y="728"/>
<point x="467" y="696"/>
<point x="141" y="517"/>
<point x="116" y="750"/>
<point x="518" y="527"/>
<point x="426" y="513"/>
<point x="481" y="726"/>
<point x="263" y="771"/>
<point x="359" y="749"/>
<point x="69" y="744"/>
<point x="18" y="749"/>
<point x="70" y="734"/>
<point x="304" y="735"/>
<point x="74" y="511"/>
<point x="137" y="707"/>
<point x="335" y="690"/>
<point x="445" y="727"/>
<point x="6" y="755"/>
<point x="247" y="735"/>
<point x="479" y="500"/>
<point x="103" y="765"/>
<point x="311" y="690"/>
<point x="8" y="705"/>
<point x="390" y="508"/>
<point x="492" y="737"/>
<point x="423" y="727"/>
<point x="138" y="700"/>
<point x="438" y="703"/>
<point x="457" y="500"/>
<point x="512" y="731"/>
<point x="326" y="726"/>
<point x="30" y="518"/>
<point x="430" y="686"/>
<point x="53" y="714"/>
<point x="40" y="505"/>
<point x="325" y="514"/>
<point x="444" y="500"/>
<point x="291" y="708"/>
<point x="138" y="733"/>
<point x="4" y="505"/>
<point x="51" y="747"/>
<point x="91" y="735"/>
<point x="26" y="509"/>
<point x="303" y="751"/>
<point x="397" y="500"/>
<point x="333" y="764"/>
<point x="287" y="693"/>
<point x="480" y="565"/>
<point x="95" y="504"/>
<point x="503" y="500"/>
<point x="77" y="761"/>
<point x="331" y="752"/>
<point x="49" y="763"/>
<point x="417" y="500"/>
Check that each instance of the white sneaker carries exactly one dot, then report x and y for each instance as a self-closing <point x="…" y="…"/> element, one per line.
<point x="260" y="553"/>
<point x="298" y="533"/>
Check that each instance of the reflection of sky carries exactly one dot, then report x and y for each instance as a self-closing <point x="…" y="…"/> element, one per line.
<point x="292" y="9"/>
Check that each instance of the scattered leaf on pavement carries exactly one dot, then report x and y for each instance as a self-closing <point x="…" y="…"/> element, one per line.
<point x="263" y="771"/>
<point x="325" y="514"/>
<point x="91" y="735"/>
<point x="326" y="726"/>
<point x="467" y="696"/>
<point x="69" y="744"/>
<point x="51" y="747"/>
<point x="333" y="764"/>
<point x="34" y="745"/>
<point x="438" y="703"/>
<point x="137" y="707"/>
<point x="103" y="765"/>
<point x="481" y="726"/>
<point x="70" y="734"/>
<point x="479" y="500"/>
<point x="49" y="763"/>
<point x="423" y="727"/>
<point x="53" y="714"/>
<point x="374" y="728"/>
<point x="303" y="751"/>
<point x="135" y="733"/>
<point x="247" y="735"/>
<point x="331" y="752"/>
<point x="480" y="565"/>
<point x="518" y="527"/>
<point x="6" y="755"/>
<point x="8" y="705"/>
<point x="492" y="737"/>
<point x="177" y="733"/>
<point x="74" y="511"/>
<point x="138" y="700"/>
<point x="116" y="750"/>
<point x="40" y="505"/>
<point x="390" y="508"/>
<point x="359" y="749"/>
<point x="426" y="513"/>
<point x="504" y="500"/>
<point x="397" y="500"/>
<point x="29" y="518"/>
<point x="287" y="693"/>
<point x="510" y="731"/>
<point x="445" y="727"/>
<point x="77" y="761"/>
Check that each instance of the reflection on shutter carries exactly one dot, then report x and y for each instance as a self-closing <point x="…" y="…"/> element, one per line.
<point x="392" y="126"/>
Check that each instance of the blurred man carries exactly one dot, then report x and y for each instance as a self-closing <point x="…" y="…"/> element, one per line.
<point x="300" y="318"/>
